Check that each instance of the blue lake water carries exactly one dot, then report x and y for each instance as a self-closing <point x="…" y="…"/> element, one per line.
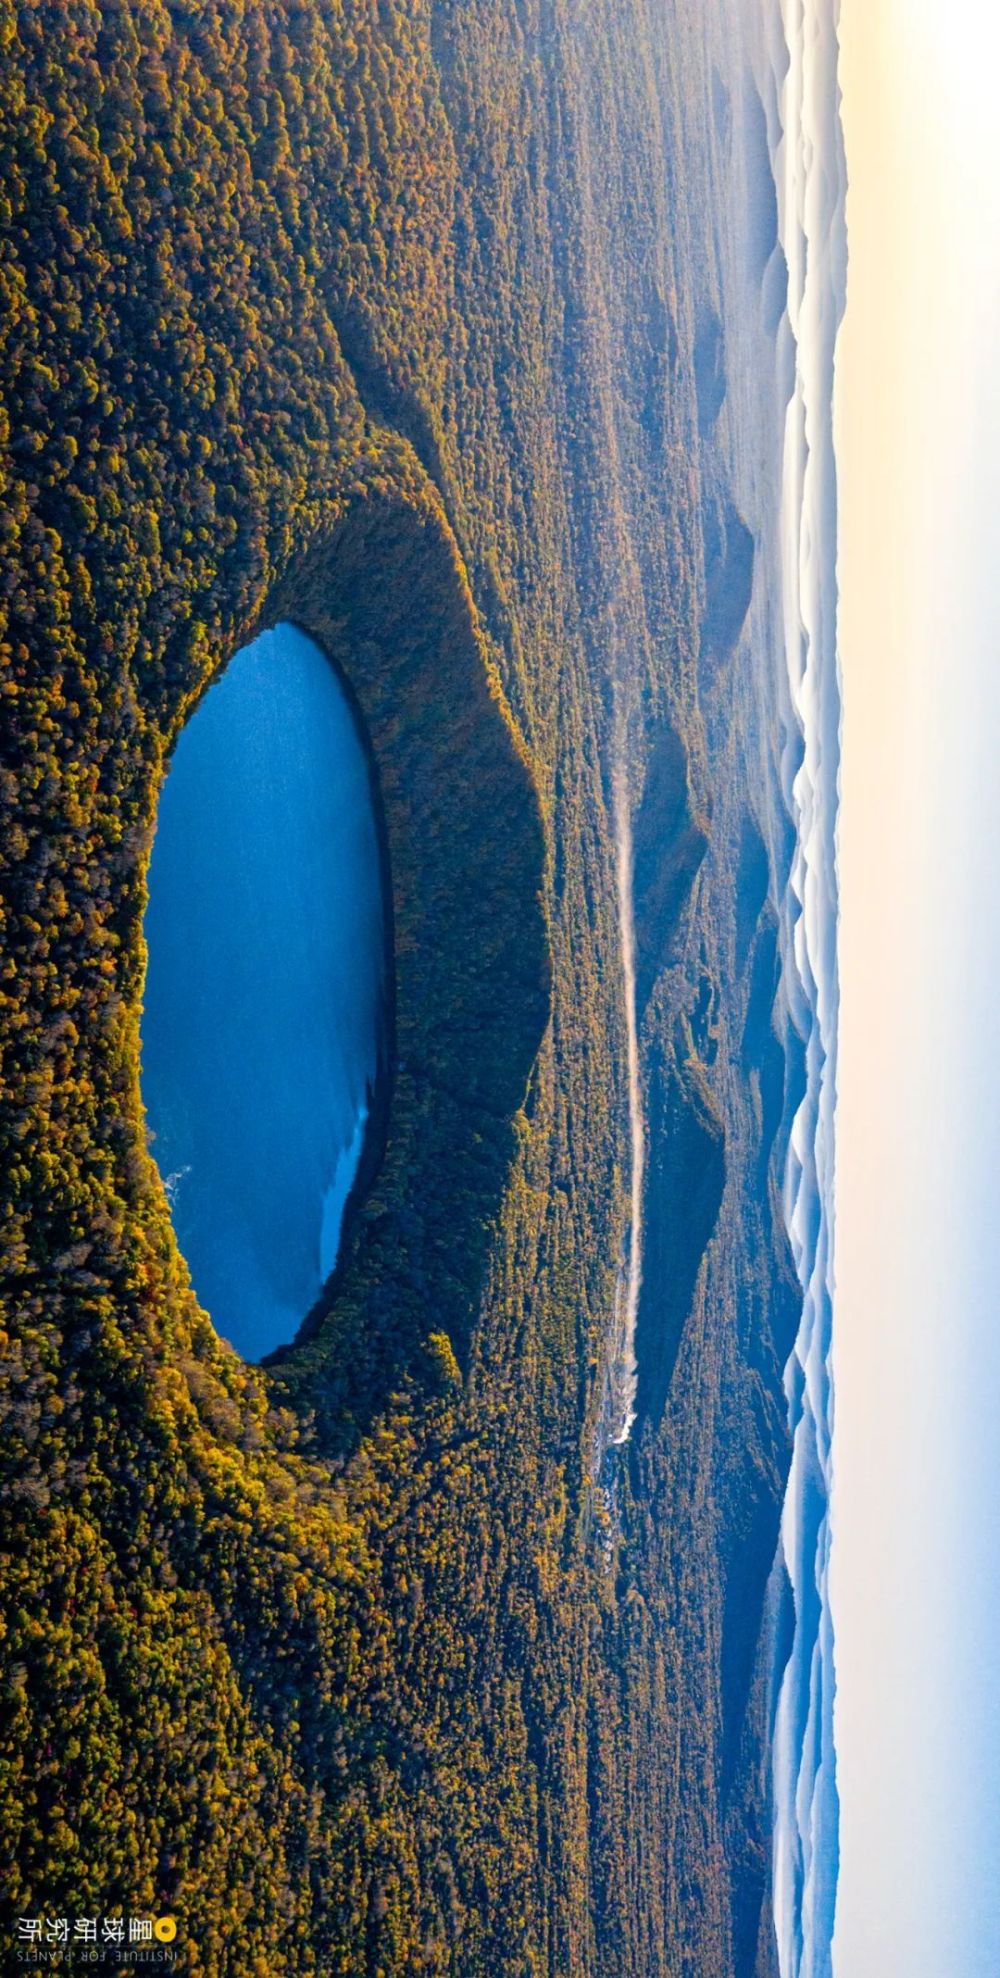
<point x="264" y="991"/>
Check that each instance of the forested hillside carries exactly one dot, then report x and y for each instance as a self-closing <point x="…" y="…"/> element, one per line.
<point x="391" y="319"/>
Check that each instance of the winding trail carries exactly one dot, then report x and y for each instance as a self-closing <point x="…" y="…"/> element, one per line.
<point x="630" y="1283"/>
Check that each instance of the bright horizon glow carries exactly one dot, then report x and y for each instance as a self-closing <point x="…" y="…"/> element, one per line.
<point x="917" y="1345"/>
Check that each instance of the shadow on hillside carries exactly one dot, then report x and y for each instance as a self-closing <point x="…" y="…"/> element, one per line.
<point x="384" y="593"/>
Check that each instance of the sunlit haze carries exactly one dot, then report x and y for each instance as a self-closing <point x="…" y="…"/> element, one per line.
<point x="917" y="1353"/>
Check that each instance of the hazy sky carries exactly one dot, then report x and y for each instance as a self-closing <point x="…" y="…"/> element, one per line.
<point x="916" y="1507"/>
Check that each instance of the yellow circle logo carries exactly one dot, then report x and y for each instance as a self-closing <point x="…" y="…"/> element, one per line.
<point x="164" y="1929"/>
